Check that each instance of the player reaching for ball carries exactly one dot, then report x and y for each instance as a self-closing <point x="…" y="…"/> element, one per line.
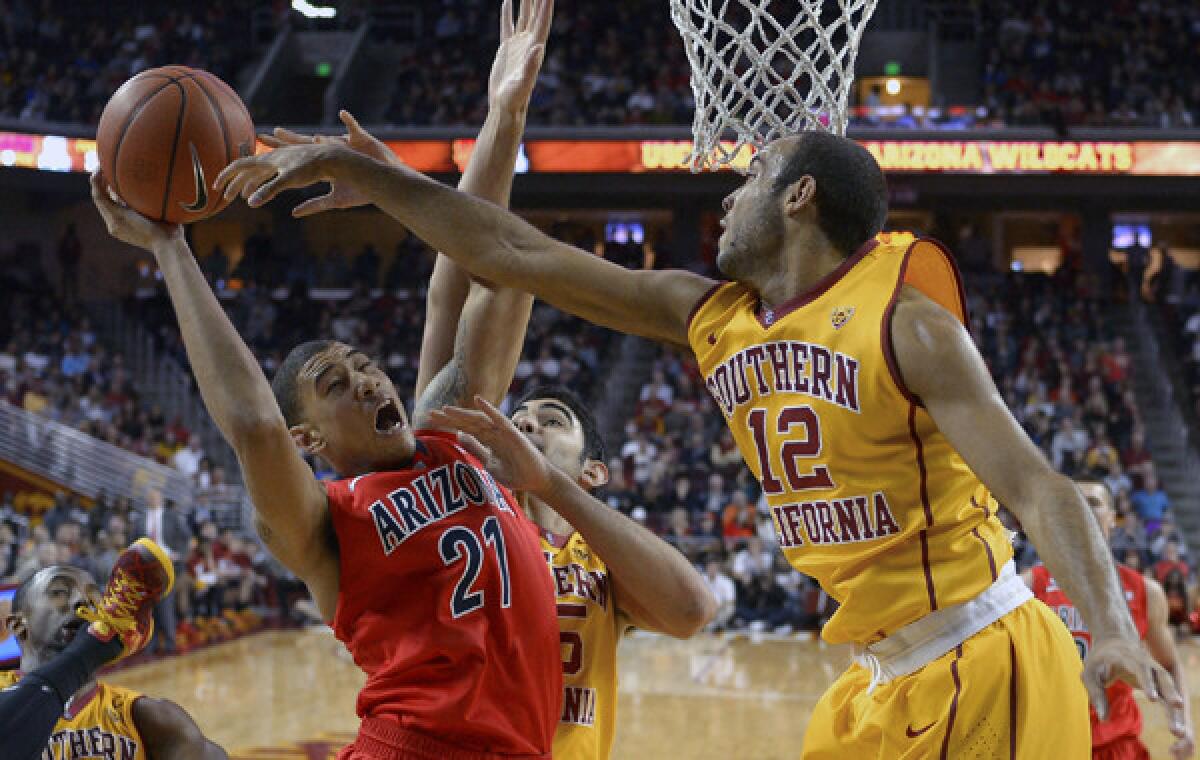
<point x="424" y="567"/>
<point x="841" y="365"/>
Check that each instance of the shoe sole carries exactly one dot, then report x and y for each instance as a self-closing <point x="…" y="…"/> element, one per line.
<point x="160" y="554"/>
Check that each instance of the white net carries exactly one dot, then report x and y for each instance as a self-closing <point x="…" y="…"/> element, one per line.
<point x="763" y="69"/>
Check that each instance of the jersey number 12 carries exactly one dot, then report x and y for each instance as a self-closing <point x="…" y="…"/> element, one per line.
<point x="803" y="430"/>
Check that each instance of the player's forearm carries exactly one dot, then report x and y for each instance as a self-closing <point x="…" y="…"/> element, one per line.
<point x="232" y="384"/>
<point x="489" y="172"/>
<point x="489" y="176"/>
<point x="1074" y="550"/>
<point x="658" y="578"/>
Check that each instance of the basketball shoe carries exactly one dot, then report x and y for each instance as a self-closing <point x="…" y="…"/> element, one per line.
<point x="142" y="575"/>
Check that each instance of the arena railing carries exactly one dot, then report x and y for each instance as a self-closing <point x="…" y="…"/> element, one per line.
<point x="89" y="466"/>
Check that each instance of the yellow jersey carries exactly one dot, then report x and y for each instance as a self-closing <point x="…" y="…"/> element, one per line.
<point x="97" y="724"/>
<point x="866" y="494"/>
<point x="589" y="629"/>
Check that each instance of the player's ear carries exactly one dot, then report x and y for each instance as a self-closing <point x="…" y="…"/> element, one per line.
<point x="799" y="196"/>
<point x="307" y="437"/>
<point x="595" y="473"/>
<point x="16" y="625"/>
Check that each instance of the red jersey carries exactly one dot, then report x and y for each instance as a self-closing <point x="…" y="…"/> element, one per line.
<point x="446" y="604"/>
<point x="1124" y="717"/>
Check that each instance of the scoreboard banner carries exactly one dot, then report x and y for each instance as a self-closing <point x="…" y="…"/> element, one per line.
<point x="1176" y="158"/>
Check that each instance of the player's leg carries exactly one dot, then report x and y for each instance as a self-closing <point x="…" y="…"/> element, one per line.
<point x="1049" y="693"/>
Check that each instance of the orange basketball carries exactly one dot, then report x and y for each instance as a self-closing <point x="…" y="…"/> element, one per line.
<point x="165" y="135"/>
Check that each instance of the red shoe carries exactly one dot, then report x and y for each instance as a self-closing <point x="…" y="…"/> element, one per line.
<point x="143" y="574"/>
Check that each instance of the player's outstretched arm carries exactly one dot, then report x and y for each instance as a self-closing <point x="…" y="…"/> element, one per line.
<point x="942" y="367"/>
<point x="487" y="240"/>
<point x="656" y="586"/>
<point x="291" y="506"/>
<point x="1161" y="643"/>
<point x="170" y="733"/>
<point x="495" y="318"/>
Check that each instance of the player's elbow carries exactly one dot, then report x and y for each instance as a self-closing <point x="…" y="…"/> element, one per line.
<point x="698" y="607"/>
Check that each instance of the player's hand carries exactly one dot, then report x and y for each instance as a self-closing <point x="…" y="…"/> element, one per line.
<point x="504" y="450"/>
<point x="127" y="225"/>
<point x="522" y="47"/>
<point x="259" y="179"/>
<point x="341" y="194"/>
<point x="1119" y="658"/>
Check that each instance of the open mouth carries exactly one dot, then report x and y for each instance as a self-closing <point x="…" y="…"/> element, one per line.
<point x="388" y="418"/>
<point x="69" y="630"/>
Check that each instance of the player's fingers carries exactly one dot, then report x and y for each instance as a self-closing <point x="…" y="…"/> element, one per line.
<point x="1146" y="681"/>
<point x="472" y="444"/>
<point x="533" y="61"/>
<point x="318" y="205"/>
<point x="271" y="141"/>
<point x="351" y="123"/>
<point x="1167" y="688"/>
<point x="1096" y="693"/>
<point x="293" y="138"/>
<point x="545" y="19"/>
<point x="249" y="178"/>
<point x="235" y="168"/>
<point x="266" y="192"/>
<point x="493" y="414"/>
<point x="506" y="20"/>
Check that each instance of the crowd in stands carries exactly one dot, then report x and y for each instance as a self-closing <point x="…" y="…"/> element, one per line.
<point x="61" y="60"/>
<point x="1065" y="64"/>
<point x="1060" y="64"/>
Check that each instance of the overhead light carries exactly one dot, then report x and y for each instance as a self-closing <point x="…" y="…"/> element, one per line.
<point x="308" y="10"/>
<point x="893" y="86"/>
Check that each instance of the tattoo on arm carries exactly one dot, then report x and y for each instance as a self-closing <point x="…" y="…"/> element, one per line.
<point x="448" y="387"/>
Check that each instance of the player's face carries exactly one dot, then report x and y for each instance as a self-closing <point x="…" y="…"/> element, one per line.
<point x="753" y="235"/>
<point x="48" y="623"/>
<point x="1097" y="499"/>
<point x="355" y="418"/>
<point x="554" y="429"/>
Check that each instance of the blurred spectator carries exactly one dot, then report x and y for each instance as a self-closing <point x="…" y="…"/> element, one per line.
<point x="187" y="459"/>
<point x="1151" y="502"/>
<point x="723" y="589"/>
<point x="163" y="524"/>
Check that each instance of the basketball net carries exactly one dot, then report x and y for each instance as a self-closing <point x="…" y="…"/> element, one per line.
<point x="756" y="77"/>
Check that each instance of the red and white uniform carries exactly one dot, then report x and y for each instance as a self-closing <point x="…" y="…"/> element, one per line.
<point x="446" y="604"/>
<point x="1124" y="724"/>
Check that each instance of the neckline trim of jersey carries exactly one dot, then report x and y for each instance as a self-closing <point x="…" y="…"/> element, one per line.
<point x="767" y="318"/>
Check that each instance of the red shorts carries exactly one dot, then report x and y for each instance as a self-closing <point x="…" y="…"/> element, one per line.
<point x="380" y="739"/>
<point x="1125" y="748"/>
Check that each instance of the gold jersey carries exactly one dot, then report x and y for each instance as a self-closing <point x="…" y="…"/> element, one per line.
<point x="867" y="496"/>
<point x="589" y="629"/>
<point x="98" y="725"/>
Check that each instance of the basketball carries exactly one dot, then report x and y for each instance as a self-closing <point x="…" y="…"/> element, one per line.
<point x="165" y="135"/>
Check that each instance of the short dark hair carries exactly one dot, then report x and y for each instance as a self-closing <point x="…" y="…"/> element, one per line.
<point x="1099" y="483"/>
<point x="851" y="190"/>
<point x="283" y="384"/>
<point x="593" y="442"/>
